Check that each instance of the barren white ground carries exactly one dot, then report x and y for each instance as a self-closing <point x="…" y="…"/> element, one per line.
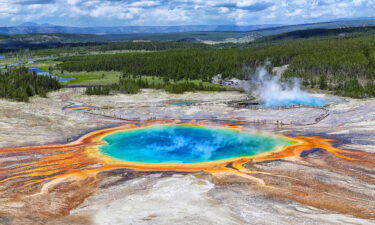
<point x="185" y="199"/>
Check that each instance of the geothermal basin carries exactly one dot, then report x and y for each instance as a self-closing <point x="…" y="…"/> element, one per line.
<point x="187" y="144"/>
<point x="302" y="99"/>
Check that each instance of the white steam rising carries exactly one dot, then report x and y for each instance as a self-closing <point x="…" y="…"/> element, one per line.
<point x="273" y="92"/>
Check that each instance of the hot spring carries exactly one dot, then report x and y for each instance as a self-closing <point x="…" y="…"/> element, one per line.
<point x="187" y="144"/>
<point x="304" y="99"/>
<point x="184" y="103"/>
<point x="273" y="91"/>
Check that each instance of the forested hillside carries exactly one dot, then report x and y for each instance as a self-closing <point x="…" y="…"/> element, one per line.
<point x="19" y="84"/>
<point x="119" y="46"/>
<point x="55" y="49"/>
<point x="176" y="64"/>
<point x="342" y="32"/>
<point x="132" y="85"/>
<point x="335" y="62"/>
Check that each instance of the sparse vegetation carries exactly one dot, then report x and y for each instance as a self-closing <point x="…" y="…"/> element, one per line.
<point x="185" y="86"/>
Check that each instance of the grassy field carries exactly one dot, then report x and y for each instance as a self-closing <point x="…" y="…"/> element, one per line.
<point x="106" y="78"/>
<point x="80" y="78"/>
<point x="110" y="77"/>
<point x="43" y="61"/>
<point x="7" y="61"/>
<point x="44" y="65"/>
<point x="87" y="78"/>
<point x="90" y="78"/>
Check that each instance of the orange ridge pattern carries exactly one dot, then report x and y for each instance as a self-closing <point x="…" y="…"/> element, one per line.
<point x="81" y="158"/>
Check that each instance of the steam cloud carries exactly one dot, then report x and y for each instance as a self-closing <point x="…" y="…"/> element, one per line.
<point x="273" y="92"/>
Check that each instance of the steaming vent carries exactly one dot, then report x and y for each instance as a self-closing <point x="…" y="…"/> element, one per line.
<point x="273" y="92"/>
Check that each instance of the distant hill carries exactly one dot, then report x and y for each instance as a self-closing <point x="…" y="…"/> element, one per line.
<point x="28" y="24"/>
<point x="20" y="41"/>
<point x="324" y="25"/>
<point x="53" y="40"/>
<point x="33" y="28"/>
<point x="263" y="30"/>
<point x="73" y="38"/>
<point x="62" y="38"/>
<point x="320" y="32"/>
<point x="196" y="35"/>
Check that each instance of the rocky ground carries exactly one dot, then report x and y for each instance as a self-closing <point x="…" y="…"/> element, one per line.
<point x="316" y="188"/>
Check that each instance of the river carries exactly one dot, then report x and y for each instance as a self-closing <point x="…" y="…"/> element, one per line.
<point x="37" y="71"/>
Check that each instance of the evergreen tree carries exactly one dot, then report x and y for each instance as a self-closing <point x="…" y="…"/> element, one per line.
<point x="19" y="84"/>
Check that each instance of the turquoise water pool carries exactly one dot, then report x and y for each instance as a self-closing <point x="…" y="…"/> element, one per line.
<point x="184" y="103"/>
<point x="296" y="101"/>
<point x="186" y="144"/>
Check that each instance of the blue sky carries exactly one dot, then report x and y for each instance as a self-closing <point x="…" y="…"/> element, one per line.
<point x="180" y="12"/>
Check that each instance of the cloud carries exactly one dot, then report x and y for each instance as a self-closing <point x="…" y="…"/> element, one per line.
<point x="145" y="4"/>
<point x="179" y="12"/>
<point x="34" y="2"/>
<point x="258" y="6"/>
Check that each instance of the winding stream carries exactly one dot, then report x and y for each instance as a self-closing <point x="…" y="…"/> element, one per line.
<point x="37" y="71"/>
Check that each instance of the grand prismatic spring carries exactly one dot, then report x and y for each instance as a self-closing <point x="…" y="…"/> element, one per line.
<point x="187" y="144"/>
<point x="225" y="150"/>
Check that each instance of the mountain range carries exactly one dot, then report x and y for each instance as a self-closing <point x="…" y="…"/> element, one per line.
<point x="264" y="30"/>
<point x="34" y="28"/>
<point x="32" y="35"/>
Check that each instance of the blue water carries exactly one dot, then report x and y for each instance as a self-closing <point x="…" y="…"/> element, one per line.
<point x="186" y="144"/>
<point x="16" y="64"/>
<point x="2" y="57"/>
<point x="303" y="101"/>
<point x="38" y="71"/>
<point x="41" y="72"/>
<point x="184" y="103"/>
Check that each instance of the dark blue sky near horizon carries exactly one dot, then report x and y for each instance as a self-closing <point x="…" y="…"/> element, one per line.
<point x="180" y="12"/>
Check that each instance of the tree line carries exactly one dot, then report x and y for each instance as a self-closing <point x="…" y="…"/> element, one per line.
<point x="19" y="84"/>
<point x="345" y="65"/>
<point x="132" y="85"/>
<point x="49" y="49"/>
